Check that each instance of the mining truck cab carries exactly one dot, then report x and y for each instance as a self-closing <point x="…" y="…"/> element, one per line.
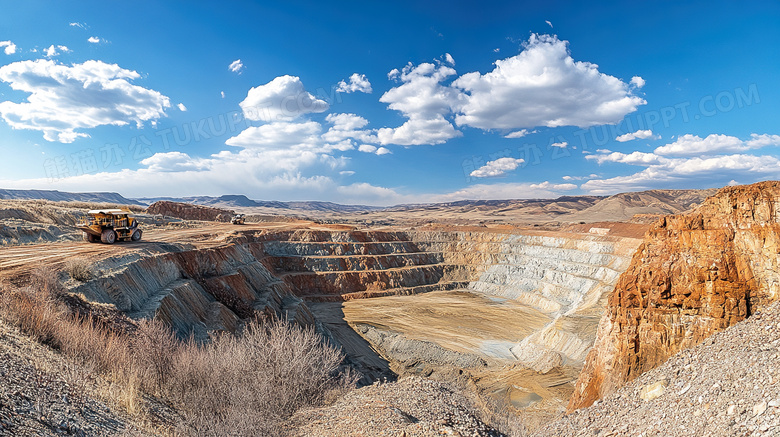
<point x="109" y="225"/>
<point x="238" y="219"/>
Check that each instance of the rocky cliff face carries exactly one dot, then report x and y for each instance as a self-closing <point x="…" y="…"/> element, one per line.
<point x="196" y="291"/>
<point x="694" y="275"/>
<point x="188" y="211"/>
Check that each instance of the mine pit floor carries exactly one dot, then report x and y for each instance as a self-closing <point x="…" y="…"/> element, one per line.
<point x="483" y="326"/>
<point x="486" y="327"/>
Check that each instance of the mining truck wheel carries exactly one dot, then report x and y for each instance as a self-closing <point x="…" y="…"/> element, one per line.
<point x="136" y="235"/>
<point x="108" y="236"/>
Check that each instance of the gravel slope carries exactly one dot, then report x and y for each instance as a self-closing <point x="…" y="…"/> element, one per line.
<point x="727" y="386"/>
<point x="43" y="395"/>
<point x="411" y="407"/>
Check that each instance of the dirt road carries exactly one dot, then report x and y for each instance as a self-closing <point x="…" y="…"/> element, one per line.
<point x="16" y="262"/>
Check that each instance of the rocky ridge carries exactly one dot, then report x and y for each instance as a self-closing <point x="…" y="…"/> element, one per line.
<point x="694" y="275"/>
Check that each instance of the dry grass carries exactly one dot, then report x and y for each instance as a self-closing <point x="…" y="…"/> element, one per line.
<point x="35" y="309"/>
<point x="79" y="269"/>
<point x="244" y="384"/>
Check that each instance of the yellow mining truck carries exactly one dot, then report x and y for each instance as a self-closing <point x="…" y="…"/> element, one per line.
<point x="109" y="225"/>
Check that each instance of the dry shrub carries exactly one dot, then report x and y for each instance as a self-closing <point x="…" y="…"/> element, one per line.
<point x="35" y="309"/>
<point x="32" y="312"/>
<point x="155" y="348"/>
<point x="44" y="280"/>
<point x="79" y="269"/>
<point x="249" y="384"/>
<point x="245" y="384"/>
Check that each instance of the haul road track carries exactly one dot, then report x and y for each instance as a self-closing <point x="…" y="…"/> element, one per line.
<point x="16" y="262"/>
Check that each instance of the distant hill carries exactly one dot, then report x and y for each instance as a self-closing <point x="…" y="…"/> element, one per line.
<point x="62" y="196"/>
<point x="561" y="205"/>
<point x="624" y="206"/>
<point x="241" y="201"/>
<point x="619" y="207"/>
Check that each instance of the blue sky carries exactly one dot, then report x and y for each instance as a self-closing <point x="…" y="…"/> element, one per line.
<point x="386" y="103"/>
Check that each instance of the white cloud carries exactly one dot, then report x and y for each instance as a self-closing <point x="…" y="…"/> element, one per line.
<point x="368" y="148"/>
<point x="501" y="191"/>
<point x="93" y="39"/>
<point x="347" y="126"/>
<point x="691" y="173"/>
<point x="555" y="187"/>
<point x="346" y="122"/>
<point x="634" y="158"/>
<point x="236" y="66"/>
<point x="222" y="93"/>
<point x="449" y="59"/>
<point x="53" y="51"/>
<point x="346" y="172"/>
<point x="693" y="145"/>
<point x="543" y="86"/>
<point x="173" y="161"/>
<point x="421" y="93"/>
<point x="561" y="145"/>
<point x="76" y="24"/>
<point x="672" y="166"/>
<point x="638" y="135"/>
<point x="548" y="22"/>
<point x="579" y="178"/>
<point x="424" y="101"/>
<point x="268" y="175"/>
<point x="637" y="81"/>
<point x="181" y="107"/>
<point x="764" y="140"/>
<point x="283" y="98"/>
<point x="517" y="134"/>
<point x="357" y="82"/>
<point x="80" y="96"/>
<point x="279" y="136"/>
<point x="8" y="47"/>
<point x="497" y="168"/>
<point x="418" y="131"/>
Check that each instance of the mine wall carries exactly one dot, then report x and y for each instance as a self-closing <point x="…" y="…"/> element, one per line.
<point x="565" y="276"/>
<point x="695" y="274"/>
<point x="195" y="291"/>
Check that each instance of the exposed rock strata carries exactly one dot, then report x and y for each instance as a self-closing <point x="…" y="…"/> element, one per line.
<point x="694" y="275"/>
<point x="196" y="291"/>
<point x="564" y="275"/>
<point x="188" y="211"/>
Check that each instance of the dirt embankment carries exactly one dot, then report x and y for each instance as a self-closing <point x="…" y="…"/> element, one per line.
<point x="188" y="211"/>
<point x="694" y="275"/>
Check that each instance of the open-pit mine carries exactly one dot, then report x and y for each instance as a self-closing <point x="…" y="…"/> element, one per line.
<point x="510" y="312"/>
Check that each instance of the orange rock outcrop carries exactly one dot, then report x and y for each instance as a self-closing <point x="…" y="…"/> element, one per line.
<point x="694" y="274"/>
